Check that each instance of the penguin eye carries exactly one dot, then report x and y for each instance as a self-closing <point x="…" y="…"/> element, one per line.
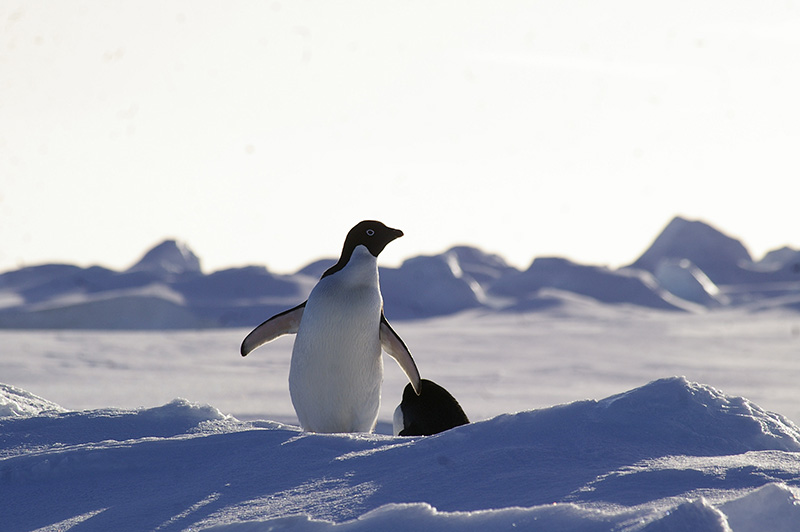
<point x="370" y="232"/>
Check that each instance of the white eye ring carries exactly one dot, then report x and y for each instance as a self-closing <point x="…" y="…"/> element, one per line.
<point x="370" y="232"/>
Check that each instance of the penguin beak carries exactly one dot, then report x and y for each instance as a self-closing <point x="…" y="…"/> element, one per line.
<point x="397" y="233"/>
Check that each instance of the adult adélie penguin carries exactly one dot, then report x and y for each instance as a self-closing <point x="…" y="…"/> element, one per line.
<point x="336" y="368"/>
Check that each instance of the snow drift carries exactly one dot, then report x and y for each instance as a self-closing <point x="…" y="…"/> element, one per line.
<point x="670" y="455"/>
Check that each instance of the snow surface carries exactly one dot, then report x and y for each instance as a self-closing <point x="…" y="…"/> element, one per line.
<point x="578" y="424"/>
<point x="670" y="455"/>
<point x="492" y="363"/>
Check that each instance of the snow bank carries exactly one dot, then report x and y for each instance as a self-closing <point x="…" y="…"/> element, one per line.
<point x="670" y="455"/>
<point x="17" y="402"/>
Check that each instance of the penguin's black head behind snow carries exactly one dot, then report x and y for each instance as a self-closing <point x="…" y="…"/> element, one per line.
<point x="371" y="234"/>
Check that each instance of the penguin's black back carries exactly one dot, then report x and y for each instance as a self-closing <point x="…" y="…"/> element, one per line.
<point x="434" y="410"/>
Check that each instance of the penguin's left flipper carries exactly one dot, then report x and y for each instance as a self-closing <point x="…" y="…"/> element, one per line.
<point x="287" y="322"/>
<point x="396" y="348"/>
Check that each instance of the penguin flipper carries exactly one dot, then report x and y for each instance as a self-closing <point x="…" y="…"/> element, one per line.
<point x="396" y="348"/>
<point x="286" y="322"/>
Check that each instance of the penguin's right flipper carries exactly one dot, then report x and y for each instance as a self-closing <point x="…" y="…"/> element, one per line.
<point x="287" y="322"/>
<point x="396" y="348"/>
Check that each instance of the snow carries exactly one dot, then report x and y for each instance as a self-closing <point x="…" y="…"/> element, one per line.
<point x="719" y="256"/>
<point x="656" y="397"/>
<point x="578" y="424"/>
<point x="690" y="267"/>
<point x="670" y="455"/>
<point x="777" y="259"/>
<point x="602" y="284"/>
<point x="169" y="257"/>
<point x="17" y="402"/>
<point x="685" y="280"/>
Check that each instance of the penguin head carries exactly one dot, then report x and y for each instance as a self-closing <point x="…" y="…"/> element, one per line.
<point x="371" y="234"/>
<point x="434" y="410"/>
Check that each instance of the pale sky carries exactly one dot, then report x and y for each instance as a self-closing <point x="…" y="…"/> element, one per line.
<point x="260" y="132"/>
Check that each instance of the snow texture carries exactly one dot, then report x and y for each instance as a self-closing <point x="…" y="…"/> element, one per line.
<point x="17" y="402"/>
<point x="690" y="266"/>
<point x="669" y="455"/>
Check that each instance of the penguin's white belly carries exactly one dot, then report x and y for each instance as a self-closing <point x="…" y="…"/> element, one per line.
<point x="336" y="370"/>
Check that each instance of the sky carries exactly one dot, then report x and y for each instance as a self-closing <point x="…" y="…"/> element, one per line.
<point x="260" y="132"/>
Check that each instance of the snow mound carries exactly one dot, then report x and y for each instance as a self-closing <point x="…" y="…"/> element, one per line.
<point x="670" y="455"/>
<point x="15" y="402"/>
<point x="169" y="257"/>
<point x="182" y="411"/>
<point x="691" y="515"/>
<point x="774" y="507"/>
<point x="693" y="418"/>
<point x="136" y="309"/>
<point x="440" y="287"/>
<point x="483" y="267"/>
<point x="719" y="256"/>
<point x="780" y="258"/>
<point x="630" y="286"/>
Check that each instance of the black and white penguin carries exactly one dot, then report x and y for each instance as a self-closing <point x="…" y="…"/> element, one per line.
<point x="430" y="411"/>
<point x="336" y="368"/>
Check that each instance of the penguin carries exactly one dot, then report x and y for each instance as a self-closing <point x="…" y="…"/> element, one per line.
<point x="336" y="367"/>
<point x="429" y="411"/>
